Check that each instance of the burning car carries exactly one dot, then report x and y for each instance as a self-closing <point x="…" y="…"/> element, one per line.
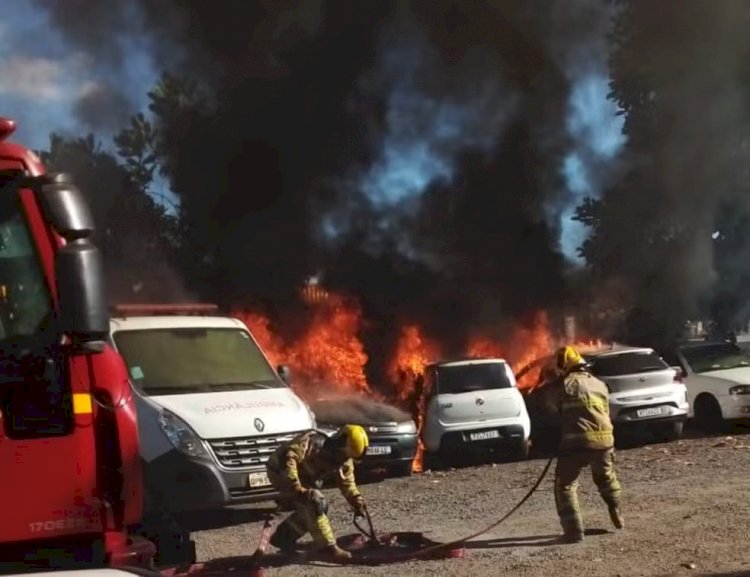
<point x="392" y="432"/>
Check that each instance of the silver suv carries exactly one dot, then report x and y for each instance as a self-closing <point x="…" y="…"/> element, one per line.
<point x="645" y="393"/>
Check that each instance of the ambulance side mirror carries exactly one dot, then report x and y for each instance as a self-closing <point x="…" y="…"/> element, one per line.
<point x="285" y="373"/>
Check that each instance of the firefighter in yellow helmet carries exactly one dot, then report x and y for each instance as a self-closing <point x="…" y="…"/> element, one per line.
<point x="297" y="470"/>
<point x="587" y="439"/>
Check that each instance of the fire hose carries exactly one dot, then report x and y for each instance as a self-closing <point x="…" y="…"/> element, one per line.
<point x="442" y="547"/>
<point x="255" y="568"/>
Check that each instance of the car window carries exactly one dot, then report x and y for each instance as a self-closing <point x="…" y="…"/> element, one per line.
<point x="475" y="377"/>
<point x="671" y="358"/>
<point x="715" y="357"/>
<point x="627" y="364"/>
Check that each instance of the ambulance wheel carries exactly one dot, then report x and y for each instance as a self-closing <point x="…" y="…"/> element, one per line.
<point x="173" y="543"/>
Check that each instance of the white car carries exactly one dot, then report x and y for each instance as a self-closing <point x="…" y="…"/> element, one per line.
<point x="717" y="376"/>
<point x="645" y="393"/>
<point x="474" y="404"/>
<point x="211" y="408"/>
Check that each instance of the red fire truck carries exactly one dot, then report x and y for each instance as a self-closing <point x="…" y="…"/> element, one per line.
<point x="70" y="486"/>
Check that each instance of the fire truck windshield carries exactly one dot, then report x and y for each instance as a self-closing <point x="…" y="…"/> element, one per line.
<point x="190" y="360"/>
<point x="24" y="299"/>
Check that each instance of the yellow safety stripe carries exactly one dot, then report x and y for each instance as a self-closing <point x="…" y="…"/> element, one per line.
<point x="588" y="403"/>
<point x="324" y="530"/>
<point x="82" y="404"/>
<point x="590" y="435"/>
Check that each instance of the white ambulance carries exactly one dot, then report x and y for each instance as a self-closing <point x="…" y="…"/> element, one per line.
<point x="211" y="408"/>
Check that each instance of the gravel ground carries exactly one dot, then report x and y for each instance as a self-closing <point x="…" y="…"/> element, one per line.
<point x="686" y="504"/>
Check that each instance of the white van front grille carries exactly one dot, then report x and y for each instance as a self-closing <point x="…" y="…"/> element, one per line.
<point x="243" y="452"/>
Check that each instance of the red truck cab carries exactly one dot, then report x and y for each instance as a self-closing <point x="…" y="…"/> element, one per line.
<point x="70" y="485"/>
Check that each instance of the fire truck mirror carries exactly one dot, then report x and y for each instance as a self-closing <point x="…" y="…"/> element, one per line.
<point x="64" y="205"/>
<point x="80" y="284"/>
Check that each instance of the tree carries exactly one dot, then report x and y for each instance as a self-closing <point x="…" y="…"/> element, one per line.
<point x="678" y="75"/>
<point x="137" y="147"/>
<point x="135" y="233"/>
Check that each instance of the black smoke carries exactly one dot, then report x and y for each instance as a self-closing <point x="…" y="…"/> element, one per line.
<point x="311" y="103"/>
<point x="672" y="233"/>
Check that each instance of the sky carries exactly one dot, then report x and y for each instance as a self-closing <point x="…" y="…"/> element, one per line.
<point x="42" y="79"/>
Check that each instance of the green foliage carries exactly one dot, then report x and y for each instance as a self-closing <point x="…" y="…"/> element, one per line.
<point x="135" y="233"/>
<point x="136" y="144"/>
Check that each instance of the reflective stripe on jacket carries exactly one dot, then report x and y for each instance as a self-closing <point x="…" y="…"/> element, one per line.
<point x="584" y="413"/>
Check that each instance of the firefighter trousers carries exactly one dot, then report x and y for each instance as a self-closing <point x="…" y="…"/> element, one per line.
<point x="569" y="467"/>
<point x="305" y="519"/>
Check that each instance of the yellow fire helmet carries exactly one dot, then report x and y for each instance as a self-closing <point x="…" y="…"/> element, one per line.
<point x="568" y="358"/>
<point x="355" y="441"/>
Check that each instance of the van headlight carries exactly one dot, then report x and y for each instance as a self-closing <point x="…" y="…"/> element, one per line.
<point x="408" y="427"/>
<point x="182" y="437"/>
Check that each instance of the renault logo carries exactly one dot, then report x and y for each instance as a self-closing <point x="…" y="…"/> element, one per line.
<point x="372" y="429"/>
<point x="480" y="401"/>
<point x="259" y="425"/>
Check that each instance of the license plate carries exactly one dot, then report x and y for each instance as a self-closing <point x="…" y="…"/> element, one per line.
<point x="484" y="435"/>
<point x="379" y="450"/>
<point x="258" y="480"/>
<point x="650" y="412"/>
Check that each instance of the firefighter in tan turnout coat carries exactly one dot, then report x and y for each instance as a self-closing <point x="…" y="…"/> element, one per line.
<point x="587" y="439"/>
<point x="298" y="469"/>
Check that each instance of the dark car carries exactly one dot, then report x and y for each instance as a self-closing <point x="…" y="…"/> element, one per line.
<point x="392" y="432"/>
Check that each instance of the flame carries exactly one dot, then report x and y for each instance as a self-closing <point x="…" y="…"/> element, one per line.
<point x="522" y="346"/>
<point x="327" y="358"/>
<point x="260" y="328"/>
<point x="413" y="354"/>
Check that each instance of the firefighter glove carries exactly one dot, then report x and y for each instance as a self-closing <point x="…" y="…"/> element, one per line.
<point x="318" y="502"/>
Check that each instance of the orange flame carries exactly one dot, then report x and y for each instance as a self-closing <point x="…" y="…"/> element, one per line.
<point x="259" y="326"/>
<point x="330" y="357"/>
<point x="523" y="345"/>
<point x="413" y="354"/>
<point x="327" y="358"/>
<point x="527" y="349"/>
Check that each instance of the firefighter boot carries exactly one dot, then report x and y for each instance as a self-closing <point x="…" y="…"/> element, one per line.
<point x="616" y="515"/>
<point x="573" y="536"/>
<point x="335" y="553"/>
